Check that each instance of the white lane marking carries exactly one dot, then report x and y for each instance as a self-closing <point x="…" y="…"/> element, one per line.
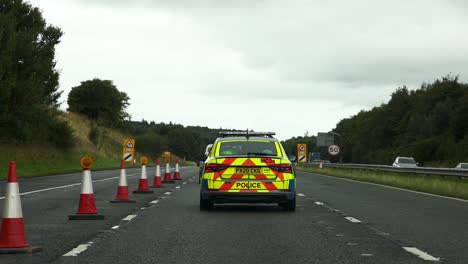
<point x="300" y="194"/>
<point x="184" y="183"/>
<point x="390" y="187"/>
<point x="319" y="203"/>
<point x="115" y="227"/>
<point x="420" y="254"/>
<point x="143" y="208"/>
<point x="66" y="186"/>
<point x="76" y="251"/>
<point x="382" y="233"/>
<point x="352" y="219"/>
<point x="339" y="235"/>
<point x="129" y="217"/>
<point x="177" y="187"/>
<point x="167" y="193"/>
<point x="154" y="202"/>
<point x="367" y="255"/>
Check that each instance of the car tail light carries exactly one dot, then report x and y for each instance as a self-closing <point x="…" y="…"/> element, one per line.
<point x="212" y="167"/>
<point x="285" y="168"/>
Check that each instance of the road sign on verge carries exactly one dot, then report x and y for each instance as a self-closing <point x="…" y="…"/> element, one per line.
<point x="333" y="150"/>
<point x="302" y="153"/>
<point x="167" y="157"/>
<point x="128" y="150"/>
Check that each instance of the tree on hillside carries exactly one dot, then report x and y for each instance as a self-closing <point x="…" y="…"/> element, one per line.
<point x="28" y="77"/>
<point x="101" y="101"/>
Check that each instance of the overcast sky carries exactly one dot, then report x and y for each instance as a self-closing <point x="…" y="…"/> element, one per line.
<point x="276" y="65"/>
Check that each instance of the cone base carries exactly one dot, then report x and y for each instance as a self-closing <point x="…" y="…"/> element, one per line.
<point x="158" y="186"/>
<point x="143" y="191"/>
<point x="178" y="179"/>
<point x="168" y="181"/>
<point x="86" y="217"/>
<point x="122" y="201"/>
<point x="22" y="250"/>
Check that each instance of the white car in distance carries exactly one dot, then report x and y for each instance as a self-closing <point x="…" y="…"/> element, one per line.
<point x="405" y="162"/>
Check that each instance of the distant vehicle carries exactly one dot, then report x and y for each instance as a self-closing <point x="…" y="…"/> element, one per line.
<point x="208" y="149"/>
<point x="201" y="164"/>
<point x="462" y="166"/>
<point x="248" y="167"/>
<point x="405" y="162"/>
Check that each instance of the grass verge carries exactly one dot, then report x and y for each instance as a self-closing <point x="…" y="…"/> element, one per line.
<point x="35" y="160"/>
<point x="442" y="185"/>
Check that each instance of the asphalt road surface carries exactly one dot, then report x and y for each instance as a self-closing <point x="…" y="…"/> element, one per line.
<point x="337" y="221"/>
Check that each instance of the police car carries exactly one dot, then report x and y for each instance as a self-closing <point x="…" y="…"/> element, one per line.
<point x="248" y="167"/>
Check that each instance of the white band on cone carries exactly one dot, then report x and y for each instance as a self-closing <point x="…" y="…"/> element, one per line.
<point x="158" y="171"/>
<point x="123" y="178"/>
<point x="86" y="184"/>
<point x="167" y="168"/>
<point x="12" y="203"/>
<point x="143" y="172"/>
<point x="177" y="167"/>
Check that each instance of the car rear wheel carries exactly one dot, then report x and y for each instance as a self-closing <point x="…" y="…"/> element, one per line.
<point x="290" y="205"/>
<point x="205" y="205"/>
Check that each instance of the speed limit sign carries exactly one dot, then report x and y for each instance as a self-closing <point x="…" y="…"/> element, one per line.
<point x="333" y="150"/>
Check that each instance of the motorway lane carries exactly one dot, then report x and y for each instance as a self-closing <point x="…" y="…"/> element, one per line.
<point x="46" y="213"/>
<point x="175" y="231"/>
<point x="433" y="224"/>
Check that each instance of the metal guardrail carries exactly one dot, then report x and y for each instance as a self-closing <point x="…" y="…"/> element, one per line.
<point x="418" y="170"/>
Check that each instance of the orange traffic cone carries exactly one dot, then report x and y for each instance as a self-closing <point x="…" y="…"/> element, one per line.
<point x="122" y="190"/>
<point x="167" y="174"/>
<point x="157" y="178"/>
<point x="87" y="206"/>
<point x="143" y="183"/>
<point x="12" y="236"/>
<point x="176" y="172"/>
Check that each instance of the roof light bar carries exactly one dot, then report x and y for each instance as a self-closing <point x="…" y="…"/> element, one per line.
<point x="247" y="133"/>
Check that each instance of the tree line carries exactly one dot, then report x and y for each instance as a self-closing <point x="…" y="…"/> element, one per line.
<point x="429" y="124"/>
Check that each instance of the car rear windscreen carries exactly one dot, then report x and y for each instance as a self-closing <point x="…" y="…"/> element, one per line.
<point x="247" y="148"/>
<point x="406" y="161"/>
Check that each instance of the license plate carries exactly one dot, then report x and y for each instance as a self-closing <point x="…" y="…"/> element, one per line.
<point x="246" y="170"/>
<point x="248" y="185"/>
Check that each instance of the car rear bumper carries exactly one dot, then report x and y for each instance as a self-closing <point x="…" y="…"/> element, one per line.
<point x="247" y="197"/>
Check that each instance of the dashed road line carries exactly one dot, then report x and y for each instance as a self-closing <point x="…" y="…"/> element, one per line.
<point x="79" y="249"/>
<point x="319" y="203"/>
<point x="167" y="193"/>
<point x="352" y="219"/>
<point x="154" y="202"/>
<point x="301" y="194"/>
<point x="129" y="217"/>
<point x="421" y="254"/>
<point x="115" y="227"/>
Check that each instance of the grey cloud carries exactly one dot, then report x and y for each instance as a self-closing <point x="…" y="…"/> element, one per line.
<point x="378" y="42"/>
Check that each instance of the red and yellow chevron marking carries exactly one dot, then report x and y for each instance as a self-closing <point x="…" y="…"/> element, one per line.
<point x="227" y="180"/>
